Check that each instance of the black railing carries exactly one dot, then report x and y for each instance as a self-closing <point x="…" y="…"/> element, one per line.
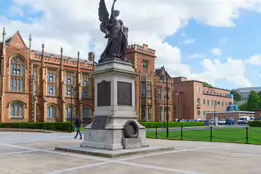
<point x="247" y="135"/>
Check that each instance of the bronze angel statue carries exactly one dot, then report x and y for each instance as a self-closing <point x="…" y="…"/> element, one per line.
<point x="115" y="32"/>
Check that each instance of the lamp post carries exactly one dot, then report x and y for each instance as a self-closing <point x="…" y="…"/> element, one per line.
<point x="72" y="91"/>
<point x="167" y="98"/>
<point x="215" y="104"/>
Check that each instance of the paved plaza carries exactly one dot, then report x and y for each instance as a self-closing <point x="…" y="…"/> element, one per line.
<point x="30" y="153"/>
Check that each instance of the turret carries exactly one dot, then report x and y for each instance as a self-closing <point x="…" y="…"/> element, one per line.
<point x="30" y="42"/>
<point x="4" y="49"/>
<point x="61" y="61"/>
<point x="43" y="56"/>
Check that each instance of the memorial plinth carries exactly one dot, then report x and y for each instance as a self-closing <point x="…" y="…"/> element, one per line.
<point x="114" y="131"/>
<point x="114" y="104"/>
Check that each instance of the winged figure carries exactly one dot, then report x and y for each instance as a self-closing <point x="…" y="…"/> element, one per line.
<point x="115" y="32"/>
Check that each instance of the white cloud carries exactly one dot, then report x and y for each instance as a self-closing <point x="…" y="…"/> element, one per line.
<point x="254" y="60"/>
<point x="74" y="25"/>
<point x="197" y="56"/>
<point x="216" y="51"/>
<point x="231" y="70"/>
<point x="16" y="11"/>
<point x="188" y="41"/>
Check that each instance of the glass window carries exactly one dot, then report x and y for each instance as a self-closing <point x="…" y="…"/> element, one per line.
<point x="17" y="75"/>
<point x="70" y="114"/>
<point x="70" y="84"/>
<point x="51" y="88"/>
<point x="17" y="109"/>
<point x="87" y="113"/>
<point x="52" y="112"/>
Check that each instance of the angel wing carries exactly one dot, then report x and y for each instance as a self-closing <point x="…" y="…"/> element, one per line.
<point x="103" y="16"/>
<point x="103" y="12"/>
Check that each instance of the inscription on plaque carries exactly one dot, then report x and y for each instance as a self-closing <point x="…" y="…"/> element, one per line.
<point x="124" y="93"/>
<point x="100" y="122"/>
<point x="104" y="93"/>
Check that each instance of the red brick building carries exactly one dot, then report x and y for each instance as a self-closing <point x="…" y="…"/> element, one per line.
<point x="193" y="100"/>
<point x="151" y="103"/>
<point x="143" y="59"/>
<point x="164" y="96"/>
<point x="39" y="86"/>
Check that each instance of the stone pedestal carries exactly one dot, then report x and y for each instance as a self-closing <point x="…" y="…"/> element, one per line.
<point x="114" y="83"/>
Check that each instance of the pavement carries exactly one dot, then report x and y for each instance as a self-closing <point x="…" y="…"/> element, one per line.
<point x="30" y="153"/>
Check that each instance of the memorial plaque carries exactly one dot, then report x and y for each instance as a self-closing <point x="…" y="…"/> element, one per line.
<point x="104" y="93"/>
<point x="124" y="93"/>
<point x="100" y="122"/>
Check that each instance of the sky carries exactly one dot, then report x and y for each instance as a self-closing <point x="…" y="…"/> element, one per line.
<point x="208" y="40"/>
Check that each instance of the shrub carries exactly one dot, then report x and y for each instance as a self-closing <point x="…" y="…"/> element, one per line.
<point x="171" y="124"/>
<point x="58" y="126"/>
<point x="255" y="123"/>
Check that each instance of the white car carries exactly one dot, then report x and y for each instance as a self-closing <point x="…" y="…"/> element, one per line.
<point x="222" y="121"/>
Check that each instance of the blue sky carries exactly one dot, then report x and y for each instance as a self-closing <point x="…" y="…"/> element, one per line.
<point x="238" y="43"/>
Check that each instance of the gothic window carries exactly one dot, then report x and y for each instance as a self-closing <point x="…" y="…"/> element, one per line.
<point x="143" y="89"/>
<point x="51" y="88"/>
<point x="52" y="111"/>
<point x="70" y="114"/>
<point x="17" y="109"/>
<point x="17" y="78"/>
<point x="86" y="113"/>
<point x="143" y="113"/>
<point x="86" y="86"/>
<point x="149" y="112"/>
<point x="160" y="113"/>
<point x="70" y="84"/>
<point x="35" y="80"/>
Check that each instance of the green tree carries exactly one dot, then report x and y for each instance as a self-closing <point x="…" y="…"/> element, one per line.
<point x="253" y="101"/>
<point x="243" y="107"/>
<point x="259" y="93"/>
<point x="237" y="96"/>
<point x="205" y="84"/>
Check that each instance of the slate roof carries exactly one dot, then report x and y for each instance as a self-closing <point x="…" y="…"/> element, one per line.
<point x="39" y="53"/>
<point x="159" y="70"/>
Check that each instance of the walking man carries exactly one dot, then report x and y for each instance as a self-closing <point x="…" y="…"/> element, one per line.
<point x="78" y="123"/>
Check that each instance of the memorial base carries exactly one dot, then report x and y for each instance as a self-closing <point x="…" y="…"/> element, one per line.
<point x="114" y="153"/>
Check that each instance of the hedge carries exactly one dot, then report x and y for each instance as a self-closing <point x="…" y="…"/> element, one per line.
<point x="254" y="123"/>
<point x="57" y="126"/>
<point x="171" y="124"/>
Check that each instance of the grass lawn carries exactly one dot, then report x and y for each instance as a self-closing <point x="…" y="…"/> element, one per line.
<point x="232" y="135"/>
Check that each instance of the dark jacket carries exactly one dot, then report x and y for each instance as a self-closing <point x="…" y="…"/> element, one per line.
<point x="78" y="122"/>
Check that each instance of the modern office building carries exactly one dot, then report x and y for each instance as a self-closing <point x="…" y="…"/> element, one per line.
<point x="244" y="93"/>
<point x="193" y="100"/>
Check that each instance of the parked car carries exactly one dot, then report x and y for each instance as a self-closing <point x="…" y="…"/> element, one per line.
<point x="243" y="120"/>
<point x="222" y="121"/>
<point x="230" y="122"/>
<point x="211" y="122"/>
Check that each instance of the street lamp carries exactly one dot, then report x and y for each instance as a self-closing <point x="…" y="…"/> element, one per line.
<point x="215" y="104"/>
<point x="72" y="91"/>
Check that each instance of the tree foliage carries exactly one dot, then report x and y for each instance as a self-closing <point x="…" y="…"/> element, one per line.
<point x="237" y="96"/>
<point x="253" y="101"/>
<point x="205" y="84"/>
<point x="243" y="107"/>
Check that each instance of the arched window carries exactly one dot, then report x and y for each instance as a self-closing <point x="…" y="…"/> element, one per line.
<point x="52" y="111"/>
<point x="86" y="113"/>
<point x="68" y="112"/>
<point x="17" y="74"/>
<point x="17" y="109"/>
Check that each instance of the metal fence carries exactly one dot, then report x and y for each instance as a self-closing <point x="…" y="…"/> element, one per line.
<point x="240" y="134"/>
